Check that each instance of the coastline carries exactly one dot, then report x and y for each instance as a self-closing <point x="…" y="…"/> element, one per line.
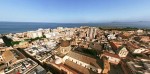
<point x="17" y="27"/>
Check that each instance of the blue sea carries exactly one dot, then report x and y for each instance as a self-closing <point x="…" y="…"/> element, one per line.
<point x="14" y="27"/>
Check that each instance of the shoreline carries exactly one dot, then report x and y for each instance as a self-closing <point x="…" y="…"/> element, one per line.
<point x="100" y="27"/>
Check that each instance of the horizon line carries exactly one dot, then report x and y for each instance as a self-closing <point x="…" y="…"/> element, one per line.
<point x="74" y="22"/>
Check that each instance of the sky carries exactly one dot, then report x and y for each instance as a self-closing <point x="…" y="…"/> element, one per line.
<point x="74" y="11"/>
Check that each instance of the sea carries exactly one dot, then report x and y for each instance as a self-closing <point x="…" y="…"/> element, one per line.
<point x="15" y="27"/>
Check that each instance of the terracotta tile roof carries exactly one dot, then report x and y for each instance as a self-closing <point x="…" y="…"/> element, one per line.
<point x="116" y="44"/>
<point x="65" y="43"/>
<point x="97" y="46"/>
<point x="64" y="66"/>
<point x="126" y="34"/>
<point x="78" y="68"/>
<point x="8" y="55"/>
<point x="145" y="38"/>
<point x="132" y="46"/>
<point x="110" y="54"/>
<point x="84" y="58"/>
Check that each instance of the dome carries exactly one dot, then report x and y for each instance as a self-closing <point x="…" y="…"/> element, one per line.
<point x="65" y="43"/>
<point x="58" y="61"/>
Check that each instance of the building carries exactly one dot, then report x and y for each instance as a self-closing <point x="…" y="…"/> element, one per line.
<point x="134" y="48"/>
<point x="65" y="47"/>
<point x="139" y="66"/>
<point x="126" y="35"/>
<point x="140" y="32"/>
<point x="116" y="44"/>
<point x="23" y="44"/>
<point x="111" y="36"/>
<point x="84" y="61"/>
<point x="112" y="58"/>
<point x="145" y="39"/>
<point x="38" y="70"/>
<point x="24" y="66"/>
<point x="75" y="62"/>
<point x="39" y="34"/>
<point x="14" y="62"/>
<point x="34" y="34"/>
<point x="92" y="32"/>
<point x="82" y="34"/>
<point x="106" y="66"/>
<point x="52" y="35"/>
<point x="119" y="48"/>
<point x="11" y="56"/>
<point x="1" y="42"/>
<point x="122" y="51"/>
<point x="96" y="46"/>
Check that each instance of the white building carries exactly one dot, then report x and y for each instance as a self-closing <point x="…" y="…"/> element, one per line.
<point x="1" y="41"/>
<point x="140" y="50"/>
<point x="34" y="34"/>
<point x="92" y="32"/>
<point x="111" y="36"/>
<point x="52" y="35"/>
<point x="39" y="33"/>
<point x="48" y="35"/>
<point x="60" y="28"/>
<point x="139" y="32"/>
<point x="123" y="52"/>
<point x="69" y="33"/>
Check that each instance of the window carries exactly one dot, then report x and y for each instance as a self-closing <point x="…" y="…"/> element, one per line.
<point x="81" y="64"/>
<point x="125" y="53"/>
<point x="86" y="66"/>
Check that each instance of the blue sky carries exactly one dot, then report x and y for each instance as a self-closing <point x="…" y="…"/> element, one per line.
<point x="62" y="11"/>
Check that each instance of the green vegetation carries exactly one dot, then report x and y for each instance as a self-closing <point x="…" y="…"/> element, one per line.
<point x="138" y="55"/>
<point x="120" y="29"/>
<point x="10" y="42"/>
<point x="34" y="39"/>
<point x="7" y="41"/>
<point x="91" y="52"/>
<point x="147" y="29"/>
<point x="129" y="29"/>
<point x="15" y="42"/>
<point x="2" y="64"/>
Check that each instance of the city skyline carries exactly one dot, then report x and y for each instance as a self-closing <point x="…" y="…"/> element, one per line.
<point x="74" y="11"/>
<point x="74" y="37"/>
